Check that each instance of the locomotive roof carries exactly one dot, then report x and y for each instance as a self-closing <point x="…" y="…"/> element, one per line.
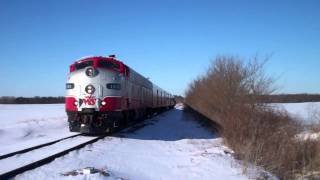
<point x="113" y="59"/>
<point x="96" y="58"/>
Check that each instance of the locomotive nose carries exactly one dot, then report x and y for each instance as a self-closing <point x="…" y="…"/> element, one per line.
<point x="92" y="72"/>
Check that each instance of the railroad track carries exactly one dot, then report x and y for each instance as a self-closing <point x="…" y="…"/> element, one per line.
<point x="35" y="147"/>
<point x="34" y="157"/>
<point x="37" y="156"/>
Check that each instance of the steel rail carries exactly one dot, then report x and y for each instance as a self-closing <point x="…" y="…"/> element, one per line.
<point x="35" y="147"/>
<point x="46" y="160"/>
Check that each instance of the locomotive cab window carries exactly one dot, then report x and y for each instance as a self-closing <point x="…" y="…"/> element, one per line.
<point x="108" y="65"/>
<point x="83" y="65"/>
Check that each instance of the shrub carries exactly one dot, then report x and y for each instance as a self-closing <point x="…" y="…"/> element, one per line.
<point x="228" y="94"/>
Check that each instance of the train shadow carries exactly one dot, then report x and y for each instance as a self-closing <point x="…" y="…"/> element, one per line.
<point x="171" y="125"/>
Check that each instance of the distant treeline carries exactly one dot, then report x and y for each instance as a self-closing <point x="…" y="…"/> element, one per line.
<point x="31" y="100"/>
<point x="278" y="98"/>
<point x="289" y="98"/>
<point x="179" y="99"/>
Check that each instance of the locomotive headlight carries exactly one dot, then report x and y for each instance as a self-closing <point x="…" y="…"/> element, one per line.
<point x="90" y="89"/>
<point x="103" y="103"/>
<point x="75" y="103"/>
<point x="91" y="72"/>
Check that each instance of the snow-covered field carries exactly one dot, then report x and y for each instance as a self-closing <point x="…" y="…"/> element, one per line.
<point x="305" y="112"/>
<point x="169" y="146"/>
<point x="23" y="126"/>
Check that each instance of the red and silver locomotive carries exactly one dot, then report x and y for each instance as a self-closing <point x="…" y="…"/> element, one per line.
<point x="104" y="93"/>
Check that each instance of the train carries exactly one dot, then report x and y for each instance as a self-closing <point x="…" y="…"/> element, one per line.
<point x="103" y="93"/>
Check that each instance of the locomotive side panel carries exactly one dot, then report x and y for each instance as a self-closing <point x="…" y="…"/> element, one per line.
<point x="141" y="90"/>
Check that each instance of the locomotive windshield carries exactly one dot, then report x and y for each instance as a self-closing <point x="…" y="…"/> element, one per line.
<point x="108" y="64"/>
<point x="83" y="65"/>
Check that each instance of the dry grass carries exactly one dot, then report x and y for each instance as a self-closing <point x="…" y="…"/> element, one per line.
<point x="257" y="133"/>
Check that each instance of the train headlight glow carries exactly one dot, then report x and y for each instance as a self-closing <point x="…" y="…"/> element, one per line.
<point x="103" y="103"/>
<point x="91" y="72"/>
<point x="90" y="89"/>
<point x="75" y="103"/>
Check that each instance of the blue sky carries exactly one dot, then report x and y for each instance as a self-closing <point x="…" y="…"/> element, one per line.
<point x="170" y="41"/>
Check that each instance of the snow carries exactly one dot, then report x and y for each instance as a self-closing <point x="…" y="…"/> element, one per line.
<point x="307" y="135"/>
<point x="23" y="126"/>
<point x="17" y="161"/>
<point x="305" y="112"/>
<point x="171" y="145"/>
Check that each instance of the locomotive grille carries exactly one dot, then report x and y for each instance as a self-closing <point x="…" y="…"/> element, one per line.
<point x="88" y="110"/>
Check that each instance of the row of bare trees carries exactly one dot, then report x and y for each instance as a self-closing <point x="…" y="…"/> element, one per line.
<point x="31" y="100"/>
<point x="289" y="98"/>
